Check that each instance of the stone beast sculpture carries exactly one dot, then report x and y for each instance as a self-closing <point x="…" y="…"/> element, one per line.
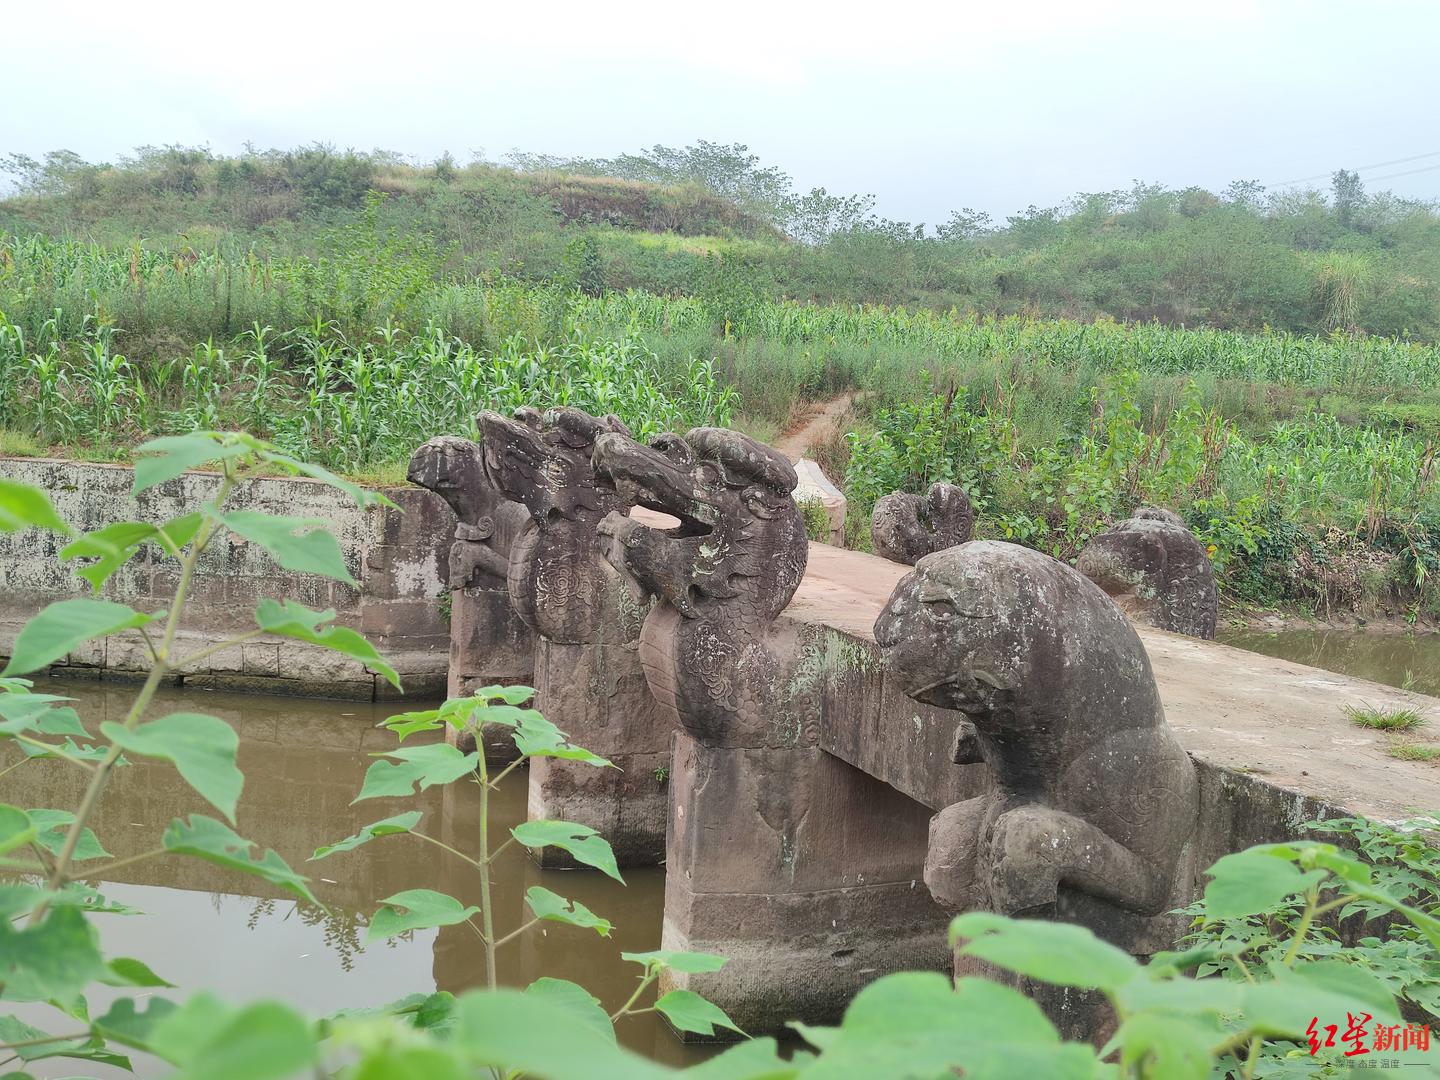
<point x="1091" y="791"/>
<point x="487" y="523"/>
<point x="557" y="577"/>
<point x="906" y="528"/>
<point x="1153" y="566"/>
<point x="722" y="574"/>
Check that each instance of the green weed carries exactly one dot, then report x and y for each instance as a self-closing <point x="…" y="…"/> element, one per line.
<point x="1370" y="716"/>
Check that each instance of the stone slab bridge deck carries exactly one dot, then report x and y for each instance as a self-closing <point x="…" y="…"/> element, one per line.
<point x="1257" y="717"/>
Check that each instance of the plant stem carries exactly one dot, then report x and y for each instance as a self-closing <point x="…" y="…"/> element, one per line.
<point x="447" y="847"/>
<point x="506" y="771"/>
<point x="645" y="981"/>
<point x="496" y="853"/>
<point x="1252" y="1057"/>
<point x="1301" y="930"/>
<point x="48" y="748"/>
<point x="42" y="1040"/>
<point x="486" y="917"/>
<point x="142" y="700"/>
<point x="11" y="768"/>
<point x="211" y="650"/>
<point x="100" y="873"/>
<point x="515" y="933"/>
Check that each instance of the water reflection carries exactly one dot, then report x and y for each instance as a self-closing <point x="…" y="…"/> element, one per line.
<point x="1410" y="660"/>
<point x="206" y="927"/>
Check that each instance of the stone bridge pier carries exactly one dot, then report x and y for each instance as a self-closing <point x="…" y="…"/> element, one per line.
<point x="857" y="750"/>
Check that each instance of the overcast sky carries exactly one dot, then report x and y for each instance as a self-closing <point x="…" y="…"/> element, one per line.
<point x="929" y="106"/>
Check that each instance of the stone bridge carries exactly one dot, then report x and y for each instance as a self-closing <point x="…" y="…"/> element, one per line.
<point x="802" y="780"/>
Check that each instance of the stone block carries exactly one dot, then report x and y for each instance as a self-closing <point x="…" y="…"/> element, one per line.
<point x="598" y="695"/>
<point x="262" y="659"/>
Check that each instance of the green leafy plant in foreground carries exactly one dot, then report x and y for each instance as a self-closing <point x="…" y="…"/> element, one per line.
<point x="1235" y="1004"/>
<point x="405" y="770"/>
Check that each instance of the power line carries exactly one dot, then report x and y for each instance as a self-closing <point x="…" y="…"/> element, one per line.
<point x="1407" y="172"/>
<point x="1362" y="168"/>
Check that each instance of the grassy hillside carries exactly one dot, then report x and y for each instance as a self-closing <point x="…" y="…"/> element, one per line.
<point x="1245" y="259"/>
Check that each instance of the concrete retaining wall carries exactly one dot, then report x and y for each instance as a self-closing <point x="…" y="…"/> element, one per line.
<point x="397" y="555"/>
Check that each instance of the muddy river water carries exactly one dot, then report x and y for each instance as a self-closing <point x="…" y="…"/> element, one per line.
<point x="1409" y="660"/>
<point x="205" y="927"/>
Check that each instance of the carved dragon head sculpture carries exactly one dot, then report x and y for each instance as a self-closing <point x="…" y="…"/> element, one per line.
<point x="740" y="539"/>
<point x="558" y="582"/>
<point x="543" y="460"/>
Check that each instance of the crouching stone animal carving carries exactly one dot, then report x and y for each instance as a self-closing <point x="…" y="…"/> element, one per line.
<point x="487" y="523"/>
<point x="906" y="528"/>
<point x="1091" y="792"/>
<point x="489" y="644"/>
<point x="722" y="574"/>
<point x="1153" y="566"/>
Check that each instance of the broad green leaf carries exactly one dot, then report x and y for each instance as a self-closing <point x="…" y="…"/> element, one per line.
<point x="1175" y="1047"/>
<point x="125" y="1024"/>
<point x="553" y="908"/>
<point x="688" y="1011"/>
<point x="468" y="712"/>
<point x="24" y="505"/>
<point x="54" y="959"/>
<point x="510" y="695"/>
<point x="51" y="827"/>
<point x="979" y="1028"/>
<point x="393" y="1061"/>
<point x="126" y="971"/>
<point x="408" y="723"/>
<point x="436" y="763"/>
<point x="181" y="1033"/>
<point x="206" y="838"/>
<point x="1193" y="997"/>
<point x="264" y="1041"/>
<point x="429" y="1012"/>
<point x="304" y="545"/>
<point x="753" y="1059"/>
<point x="18" y="898"/>
<point x="575" y="999"/>
<point x="537" y="737"/>
<point x="1284" y="1005"/>
<point x="1427" y="924"/>
<point x="36" y="714"/>
<point x="65" y="624"/>
<point x="581" y="841"/>
<point x="540" y="1037"/>
<point x="400" y="823"/>
<point x="70" y="749"/>
<point x="692" y="963"/>
<point x="164" y="459"/>
<point x="12" y="1030"/>
<point x="292" y="620"/>
<point x="1059" y="953"/>
<point x="201" y="747"/>
<point x="416" y="909"/>
<point x="113" y="546"/>
<point x="1256" y="880"/>
<point x="16" y="828"/>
